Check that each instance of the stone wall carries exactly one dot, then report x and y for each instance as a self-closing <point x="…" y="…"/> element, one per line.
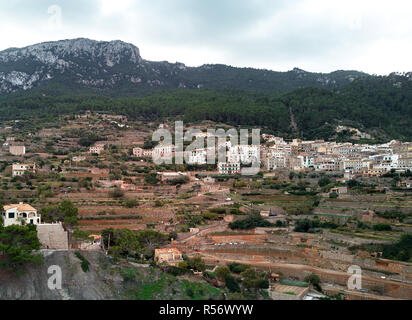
<point x="251" y="238"/>
<point x="53" y="236"/>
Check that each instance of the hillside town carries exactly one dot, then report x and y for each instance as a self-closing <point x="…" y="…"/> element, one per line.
<point x="313" y="210"/>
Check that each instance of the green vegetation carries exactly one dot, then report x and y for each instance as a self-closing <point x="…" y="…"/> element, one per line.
<point x="127" y="243"/>
<point x="231" y="283"/>
<point x="252" y="221"/>
<point x="85" y="264"/>
<point x="294" y="283"/>
<point x="314" y="280"/>
<point x="400" y="250"/>
<point x="252" y="279"/>
<point x="382" y="227"/>
<point x="238" y="267"/>
<point x="313" y="226"/>
<point x="17" y="244"/>
<point x="372" y="103"/>
<point x="65" y="212"/>
<point x="151" y="179"/>
<point x="221" y="272"/>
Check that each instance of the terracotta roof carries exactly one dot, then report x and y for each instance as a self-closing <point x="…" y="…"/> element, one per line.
<point x="20" y="207"/>
<point x="168" y="250"/>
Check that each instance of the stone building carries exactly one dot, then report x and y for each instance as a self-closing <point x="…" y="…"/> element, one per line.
<point x="17" y="150"/>
<point x="170" y="256"/>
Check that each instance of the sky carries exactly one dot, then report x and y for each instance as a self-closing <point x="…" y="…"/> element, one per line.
<point x="373" y="36"/>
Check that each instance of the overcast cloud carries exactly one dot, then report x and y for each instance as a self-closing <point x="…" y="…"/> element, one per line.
<point x="374" y="36"/>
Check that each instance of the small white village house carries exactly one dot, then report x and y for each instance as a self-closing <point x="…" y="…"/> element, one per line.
<point x="51" y="235"/>
<point x="20" y="214"/>
<point x="97" y="148"/>
<point x="19" y="169"/>
<point x="229" y="168"/>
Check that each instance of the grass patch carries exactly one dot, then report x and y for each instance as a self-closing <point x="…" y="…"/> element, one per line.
<point x="85" y="264"/>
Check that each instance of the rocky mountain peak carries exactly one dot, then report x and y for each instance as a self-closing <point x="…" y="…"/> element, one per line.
<point x="52" y="52"/>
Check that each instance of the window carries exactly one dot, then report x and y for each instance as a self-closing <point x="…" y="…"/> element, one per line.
<point x="11" y="215"/>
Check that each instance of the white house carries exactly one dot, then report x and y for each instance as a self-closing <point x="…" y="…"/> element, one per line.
<point x="20" y="214"/>
<point x="97" y="149"/>
<point x="229" y="168"/>
<point x="138" y="152"/>
<point x="18" y="169"/>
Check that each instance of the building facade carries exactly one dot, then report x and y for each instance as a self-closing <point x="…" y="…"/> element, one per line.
<point x="20" y="214"/>
<point x="19" y="169"/>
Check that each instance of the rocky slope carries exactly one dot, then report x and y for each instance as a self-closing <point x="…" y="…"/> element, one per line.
<point x="104" y="280"/>
<point x="117" y="65"/>
<point x="76" y="284"/>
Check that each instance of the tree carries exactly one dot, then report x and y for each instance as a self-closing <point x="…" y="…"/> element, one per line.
<point x="65" y="212"/>
<point x="124" y="242"/>
<point x="253" y="280"/>
<point x="150" y="239"/>
<point x="151" y="179"/>
<point x="116" y="193"/>
<point x="222" y="272"/>
<point x="382" y="227"/>
<point x="69" y="213"/>
<point x="196" y="263"/>
<point x="323" y="182"/>
<point x="254" y="220"/>
<point x="231" y="283"/>
<point x="314" y="280"/>
<point x="17" y="244"/>
<point x="238" y="267"/>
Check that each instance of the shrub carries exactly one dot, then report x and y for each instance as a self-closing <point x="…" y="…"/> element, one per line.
<point x="251" y="222"/>
<point x="84" y="263"/>
<point x="323" y="182"/>
<point x="222" y="272"/>
<point x="116" y="193"/>
<point x="333" y="195"/>
<point x="238" y="267"/>
<point x="231" y="283"/>
<point x="382" y="227"/>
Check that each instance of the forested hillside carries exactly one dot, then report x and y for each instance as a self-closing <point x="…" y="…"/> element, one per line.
<point x="381" y="106"/>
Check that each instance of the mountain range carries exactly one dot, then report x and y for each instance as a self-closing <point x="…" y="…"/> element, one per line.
<point x="116" y="65"/>
<point x="70" y="76"/>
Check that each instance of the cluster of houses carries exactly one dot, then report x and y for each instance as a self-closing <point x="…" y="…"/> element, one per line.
<point x="298" y="155"/>
<point x="353" y="159"/>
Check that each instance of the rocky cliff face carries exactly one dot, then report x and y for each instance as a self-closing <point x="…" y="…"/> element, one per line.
<point x="111" y="65"/>
<point x="84" y="61"/>
<point x="95" y="284"/>
<point x="104" y="280"/>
